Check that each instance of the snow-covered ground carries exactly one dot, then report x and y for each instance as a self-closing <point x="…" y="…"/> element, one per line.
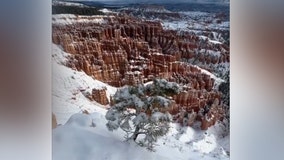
<point x="67" y="3"/>
<point x="210" y="40"/>
<point x="67" y="83"/>
<point x="218" y="80"/>
<point x="175" y="25"/>
<point x="105" y="10"/>
<point x="196" y="21"/>
<point x="86" y="137"/>
<point x="64" y="19"/>
<point x="194" y="26"/>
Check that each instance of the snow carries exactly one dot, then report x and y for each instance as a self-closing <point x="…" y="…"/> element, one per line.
<point x="86" y="137"/>
<point x="210" y="40"/>
<point x="67" y="84"/>
<point x="158" y="116"/>
<point x="210" y="52"/>
<point x="126" y="98"/>
<point x="104" y="10"/>
<point x="147" y="83"/>
<point x="133" y="72"/>
<point x="222" y="25"/>
<point x="194" y="26"/>
<point x="196" y="22"/>
<point x="89" y="141"/>
<point x="147" y="8"/>
<point x="175" y="25"/>
<point x="138" y="102"/>
<point x="201" y="145"/>
<point x="67" y="3"/>
<point x="80" y="120"/>
<point x="195" y="13"/>
<point x="164" y="102"/>
<point x="218" y="80"/>
<point x="140" y="118"/>
<point x="65" y="19"/>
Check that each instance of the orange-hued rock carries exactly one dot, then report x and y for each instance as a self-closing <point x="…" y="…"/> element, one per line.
<point x="104" y="50"/>
<point x="214" y="114"/>
<point x="99" y="95"/>
<point x="127" y="51"/>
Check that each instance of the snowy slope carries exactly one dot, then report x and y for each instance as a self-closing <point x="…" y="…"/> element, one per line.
<point x="67" y="83"/>
<point x="75" y="141"/>
<point x="85" y="137"/>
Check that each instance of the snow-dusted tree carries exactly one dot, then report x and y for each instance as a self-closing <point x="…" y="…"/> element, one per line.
<point x="225" y="89"/>
<point x="142" y="110"/>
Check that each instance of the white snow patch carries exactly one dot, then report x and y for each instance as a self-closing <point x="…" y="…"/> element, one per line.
<point x="67" y="83"/>
<point x="81" y="120"/>
<point x="206" y="145"/>
<point x="89" y="142"/>
<point x="210" y="40"/>
<point x="175" y="25"/>
<point x="104" y="10"/>
<point x="218" y="80"/>
<point x="65" y="19"/>
<point x="67" y="3"/>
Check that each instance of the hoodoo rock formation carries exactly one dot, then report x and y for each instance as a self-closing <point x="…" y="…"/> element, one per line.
<point x="122" y="50"/>
<point x="99" y="95"/>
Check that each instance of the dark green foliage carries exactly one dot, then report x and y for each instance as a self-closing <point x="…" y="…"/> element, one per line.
<point x="141" y="110"/>
<point x="225" y="89"/>
<point x="163" y="88"/>
<point x="77" y="10"/>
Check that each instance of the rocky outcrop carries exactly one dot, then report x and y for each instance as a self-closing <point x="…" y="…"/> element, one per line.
<point x="115" y="51"/>
<point x="127" y="51"/>
<point x="99" y="95"/>
<point x="211" y="115"/>
<point x="194" y="100"/>
<point x="206" y="112"/>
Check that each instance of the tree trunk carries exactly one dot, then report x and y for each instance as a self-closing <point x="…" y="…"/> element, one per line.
<point x="136" y="133"/>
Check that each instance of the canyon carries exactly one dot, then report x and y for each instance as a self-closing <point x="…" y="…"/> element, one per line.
<point x="123" y="50"/>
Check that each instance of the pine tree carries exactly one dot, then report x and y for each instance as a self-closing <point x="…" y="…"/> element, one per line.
<point x="225" y="89"/>
<point x="142" y="110"/>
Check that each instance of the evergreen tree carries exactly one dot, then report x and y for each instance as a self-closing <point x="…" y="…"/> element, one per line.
<point x="142" y="110"/>
<point x="225" y="89"/>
